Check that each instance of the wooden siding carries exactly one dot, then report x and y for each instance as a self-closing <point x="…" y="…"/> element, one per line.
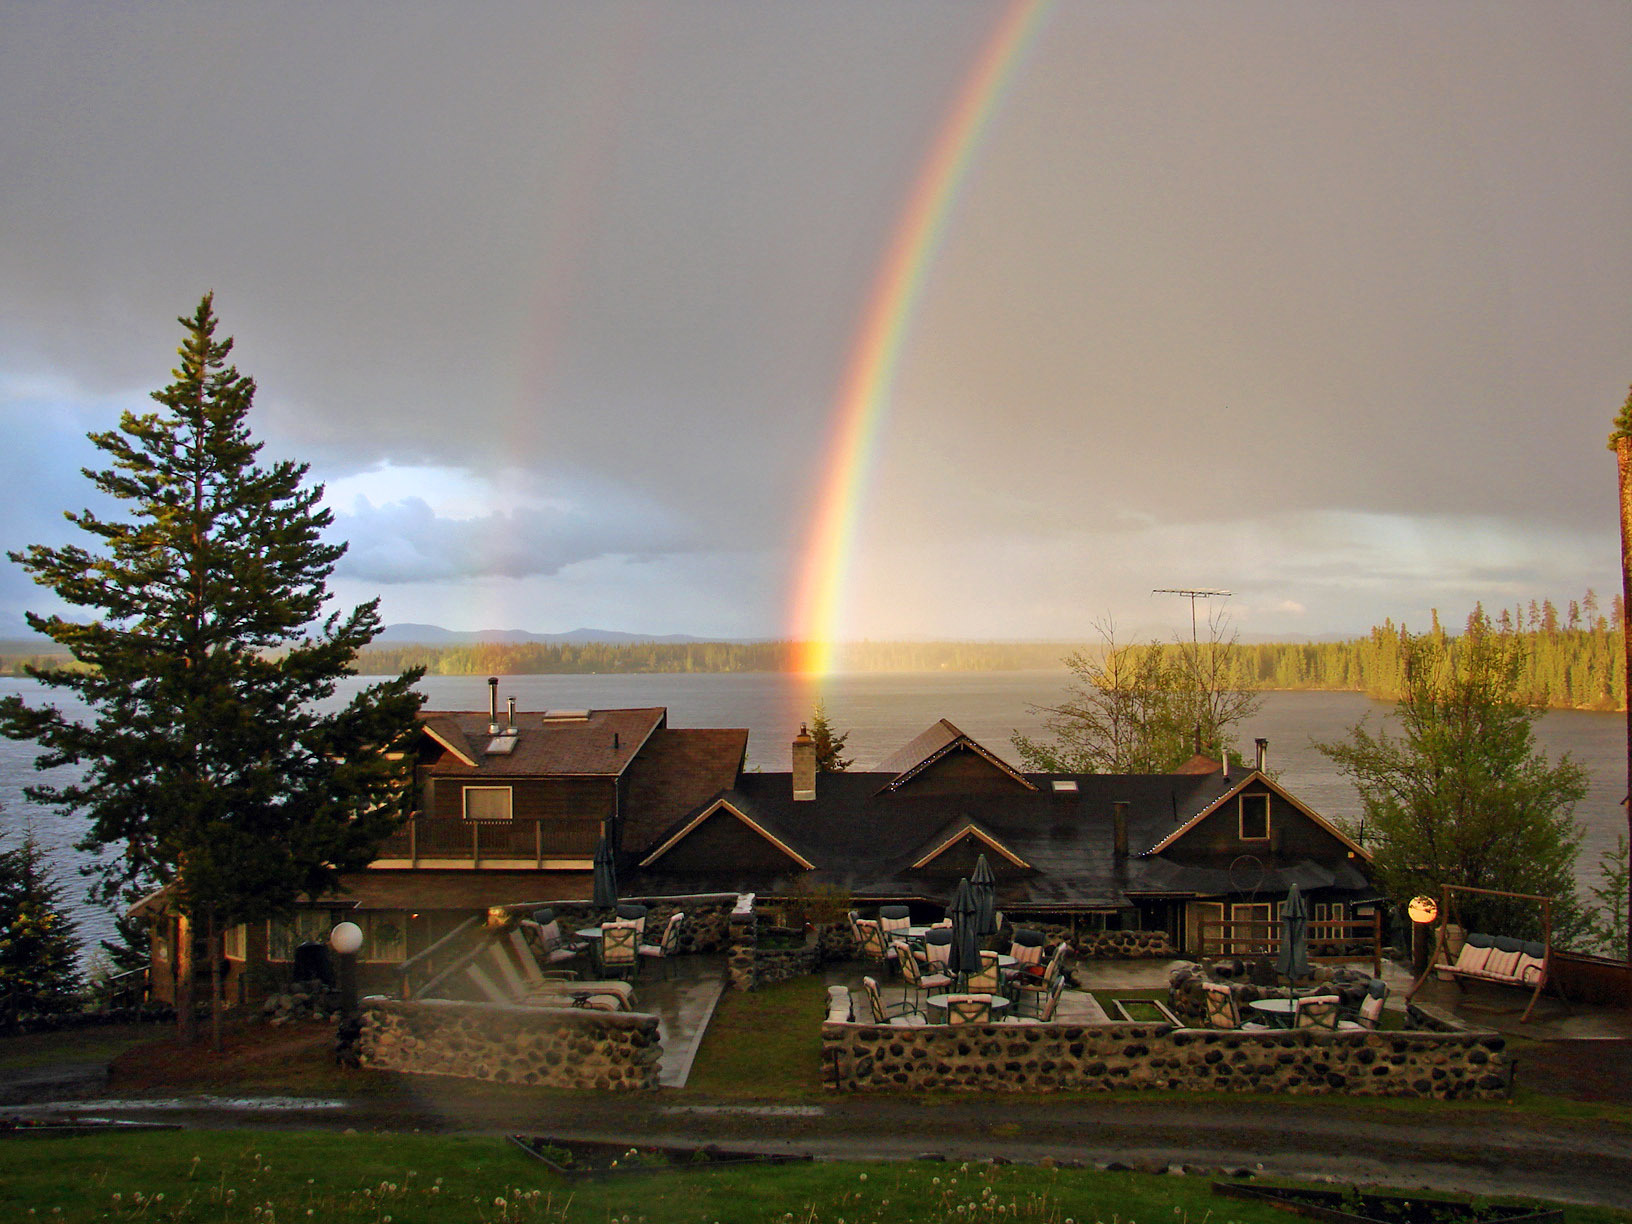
<point x="1293" y="837"/>
<point x="550" y="799"/>
<point x="723" y="838"/>
<point x="959" y="772"/>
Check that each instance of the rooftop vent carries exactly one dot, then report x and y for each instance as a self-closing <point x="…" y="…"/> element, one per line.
<point x="501" y="745"/>
<point x="1065" y="786"/>
<point x="564" y="716"/>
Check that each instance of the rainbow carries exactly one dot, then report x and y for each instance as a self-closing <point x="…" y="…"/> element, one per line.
<point x="820" y="589"/>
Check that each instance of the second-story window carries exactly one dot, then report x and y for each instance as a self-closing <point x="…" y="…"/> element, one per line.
<point x="487" y="803"/>
<point x="1255" y="817"/>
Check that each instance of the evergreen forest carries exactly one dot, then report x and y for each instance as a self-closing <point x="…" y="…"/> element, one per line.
<point x="1572" y="659"/>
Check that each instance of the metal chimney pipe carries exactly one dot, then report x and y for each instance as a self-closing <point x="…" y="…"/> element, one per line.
<point x="1263" y="753"/>
<point x="492" y="705"/>
<point x="510" y="721"/>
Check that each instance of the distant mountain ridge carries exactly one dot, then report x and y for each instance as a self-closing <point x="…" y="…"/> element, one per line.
<point x="436" y="635"/>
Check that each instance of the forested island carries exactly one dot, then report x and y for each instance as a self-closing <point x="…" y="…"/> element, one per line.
<point x="1572" y="659"/>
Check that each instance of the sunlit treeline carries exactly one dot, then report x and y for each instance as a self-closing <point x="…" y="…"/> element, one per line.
<point x="574" y="658"/>
<point x="1574" y="659"/>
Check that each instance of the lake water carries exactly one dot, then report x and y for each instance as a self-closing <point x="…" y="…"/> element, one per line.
<point x="881" y="712"/>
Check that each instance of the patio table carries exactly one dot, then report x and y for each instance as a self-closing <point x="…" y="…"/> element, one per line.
<point x="936" y="1003"/>
<point x="1277" y="1011"/>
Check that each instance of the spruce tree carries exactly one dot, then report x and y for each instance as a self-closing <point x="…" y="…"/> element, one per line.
<point x="208" y="766"/>
<point x="829" y="744"/>
<point x="39" y="950"/>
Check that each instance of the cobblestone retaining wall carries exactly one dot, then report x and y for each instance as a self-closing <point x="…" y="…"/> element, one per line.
<point x="555" y="1047"/>
<point x="1031" y="1057"/>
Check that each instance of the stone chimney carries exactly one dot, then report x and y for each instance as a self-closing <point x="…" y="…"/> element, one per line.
<point x="1263" y="753"/>
<point x="1119" y="827"/>
<point x="804" y="765"/>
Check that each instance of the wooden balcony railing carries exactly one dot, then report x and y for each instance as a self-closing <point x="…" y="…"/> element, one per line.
<point x="1330" y="942"/>
<point x="429" y="837"/>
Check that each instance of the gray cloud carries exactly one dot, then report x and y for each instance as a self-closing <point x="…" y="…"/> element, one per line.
<point x="407" y="541"/>
<point x="1206" y="266"/>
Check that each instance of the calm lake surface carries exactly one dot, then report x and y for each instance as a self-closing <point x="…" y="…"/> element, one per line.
<point x="881" y="712"/>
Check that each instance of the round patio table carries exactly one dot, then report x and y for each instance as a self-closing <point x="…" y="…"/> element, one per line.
<point x="1278" y="1012"/>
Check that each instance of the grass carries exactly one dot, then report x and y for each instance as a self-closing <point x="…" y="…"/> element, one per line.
<point x="101" y="1043"/>
<point x="767" y="1043"/>
<point x="226" y="1177"/>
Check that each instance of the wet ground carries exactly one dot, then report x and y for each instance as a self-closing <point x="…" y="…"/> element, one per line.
<point x="1578" y="1053"/>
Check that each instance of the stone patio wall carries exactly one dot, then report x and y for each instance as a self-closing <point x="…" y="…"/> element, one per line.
<point x="1068" y="1057"/>
<point x="554" y="1047"/>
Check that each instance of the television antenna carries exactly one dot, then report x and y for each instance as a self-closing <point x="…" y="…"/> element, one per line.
<point x="1193" y="594"/>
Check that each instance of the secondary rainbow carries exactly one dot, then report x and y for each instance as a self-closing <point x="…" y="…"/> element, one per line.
<point x="820" y="591"/>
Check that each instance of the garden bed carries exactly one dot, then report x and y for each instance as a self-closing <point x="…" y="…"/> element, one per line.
<point x="588" y="1158"/>
<point x="1353" y="1207"/>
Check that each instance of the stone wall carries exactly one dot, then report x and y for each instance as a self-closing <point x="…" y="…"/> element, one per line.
<point x="1124" y="945"/>
<point x="555" y="1047"/>
<point x="1069" y="1057"/>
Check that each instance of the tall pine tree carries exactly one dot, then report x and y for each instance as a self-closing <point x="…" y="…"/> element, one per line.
<point x="207" y="764"/>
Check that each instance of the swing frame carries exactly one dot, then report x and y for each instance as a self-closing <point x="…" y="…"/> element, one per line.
<point x="1440" y="956"/>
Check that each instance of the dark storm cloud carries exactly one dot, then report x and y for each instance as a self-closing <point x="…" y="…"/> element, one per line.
<point x="1241" y="283"/>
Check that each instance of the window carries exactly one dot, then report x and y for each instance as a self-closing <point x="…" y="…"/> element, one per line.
<point x="487" y="803"/>
<point x="233" y="941"/>
<point x="1252" y="928"/>
<point x="1254" y="811"/>
<point x="385" y="935"/>
<point x="307" y="926"/>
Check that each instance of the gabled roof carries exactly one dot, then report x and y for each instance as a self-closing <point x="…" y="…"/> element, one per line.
<point x="963" y="830"/>
<point x="735" y="809"/>
<point x="601" y="743"/>
<point x="930" y="746"/>
<point x="680" y="769"/>
<point x="1253" y="776"/>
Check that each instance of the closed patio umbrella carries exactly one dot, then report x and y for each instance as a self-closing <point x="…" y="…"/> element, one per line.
<point x="1293" y="958"/>
<point x="983" y="886"/>
<point x="965" y="958"/>
<point x="606" y="877"/>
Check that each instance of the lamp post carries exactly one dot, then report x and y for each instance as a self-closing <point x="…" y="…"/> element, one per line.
<point x="346" y="939"/>
<point x="1422" y="911"/>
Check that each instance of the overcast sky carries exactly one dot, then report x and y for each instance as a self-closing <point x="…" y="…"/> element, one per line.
<point x="1326" y="304"/>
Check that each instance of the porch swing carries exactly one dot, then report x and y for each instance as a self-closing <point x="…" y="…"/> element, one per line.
<point x="1501" y="959"/>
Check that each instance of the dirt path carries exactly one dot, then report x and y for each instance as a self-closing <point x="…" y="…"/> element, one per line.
<point x="1472" y="1149"/>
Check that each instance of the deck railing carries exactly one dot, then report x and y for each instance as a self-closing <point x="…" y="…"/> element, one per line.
<point x="1330" y="942"/>
<point x="431" y="837"/>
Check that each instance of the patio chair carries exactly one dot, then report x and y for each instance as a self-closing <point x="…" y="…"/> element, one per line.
<point x="938" y="948"/>
<point x="1371" y="1008"/>
<point x="915" y="978"/>
<point x="553" y="946"/>
<point x="987" y="980"/>
<point x="668" y="947"/>
<point x="893" y="918"/>
<point x="969" y="1009"/>
<point x="1050" y="1004"/>
<point x="873" y="947"/>
<point x="1037" y="986"/>
<point x="1027" y="947"/>
<point x="892" y="1015"/>
<point x="620" y="949"/>
<point x="630" y="911"/>
<point x="1222" y="1012"/>
<point x="1316" y="1012"/>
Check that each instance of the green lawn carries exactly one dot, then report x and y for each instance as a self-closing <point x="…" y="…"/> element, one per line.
<point x="94" y="1043"/>
<point x="264" y="1178"/>
<point x="767" y="1043"/>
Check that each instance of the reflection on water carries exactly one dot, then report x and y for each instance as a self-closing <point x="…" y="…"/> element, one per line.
<point x="881" y="711"/>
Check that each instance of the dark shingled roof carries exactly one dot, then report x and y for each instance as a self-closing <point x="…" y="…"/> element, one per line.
<point x="601" y="745"/>
<point x="865" y="841"/>
<point x="429" y="889"/>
